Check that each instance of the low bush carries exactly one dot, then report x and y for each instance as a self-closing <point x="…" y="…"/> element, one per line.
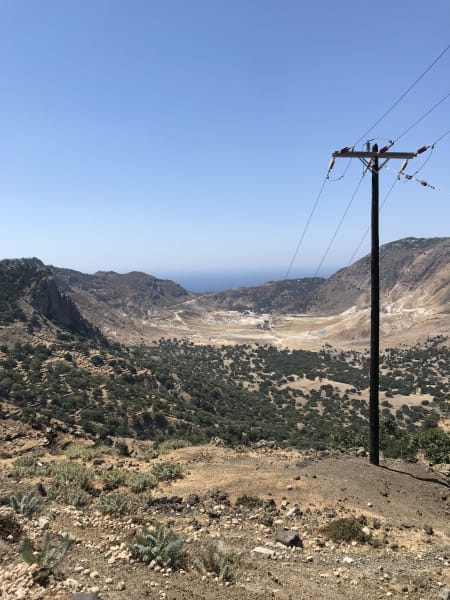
<point x="26" y="467"/>
<point x="167" y="471"/>
<point x="173" y="444"/>
<point x="249" y="501"/>
<point x="77" y="450"/>
<point x="69" y="494"/>
<point x="114" y="504"/>
<point x="344" y="530"/>
<point x="48" y="555"/>
<point x="220" y="563"/>
<point x="162" y="545"/>
<point x="139" y="482"/>
<point x="115" y="478"/>
<point x="25" y="504"/>
<point x="71" y="474"/>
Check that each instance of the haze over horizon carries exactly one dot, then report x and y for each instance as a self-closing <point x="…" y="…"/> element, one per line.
<point x="183" y="139"/>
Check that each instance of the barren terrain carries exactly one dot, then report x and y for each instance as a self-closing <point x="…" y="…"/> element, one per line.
<point x="405" y="508"/>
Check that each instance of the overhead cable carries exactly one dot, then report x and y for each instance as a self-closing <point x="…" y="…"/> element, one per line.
<point x="423" y="117"/>
<point x="333" y="237"/>
<point x="305" y="229"/>
<point x="400" y="98"/>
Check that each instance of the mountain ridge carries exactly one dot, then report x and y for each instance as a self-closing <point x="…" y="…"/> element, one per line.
<point x="136" y="307"/>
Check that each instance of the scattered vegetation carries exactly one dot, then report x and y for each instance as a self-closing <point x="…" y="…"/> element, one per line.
<point x="139" y="482"/>
<point x="219" y="562"/>
<point x="176" y="393"/>
<point x="49" y="555"/>
<point x="249" y="501"/>
<point x="344" y="530"/>
<point x="114" y="478"/>
<point x="69" y="494"/>
<point x="167" y="471"/>
<point x="71" y="474"/>
<point x="114" y="504"/>
<point x="25" y="504"/>
<point x="25" y="467"/>
<point x="161" y="545"/>
<point x="76" y="450"/>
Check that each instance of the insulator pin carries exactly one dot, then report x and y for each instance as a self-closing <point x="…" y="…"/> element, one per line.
<point x="404" y="165"/>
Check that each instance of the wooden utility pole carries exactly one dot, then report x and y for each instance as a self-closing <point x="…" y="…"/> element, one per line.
<point x="371" y="159"/>
<point x="374" y="411"/>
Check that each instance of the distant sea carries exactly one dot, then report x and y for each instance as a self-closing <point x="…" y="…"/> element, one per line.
<point x="215" y="282"/>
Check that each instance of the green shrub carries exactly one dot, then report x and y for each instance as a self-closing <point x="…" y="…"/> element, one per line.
<point x="139" y="482"/>
<point x="249" y="501"/>
<point x="25" y="461"/>
<point x="115" y="504"/>
<point x="25" y="504"/>
<point x="69" y="494"/>
<point x="222" y="564"/>
<point x="71" y="474"/>
<point x="114" y="478"/>
<point x="344" y="530"/>
<point x="122" y="449"/>
<point x="173" y="444"/>
<point x="167" y="471"/>
<point x="162" y="545"/>
<point x="77" y="450"/>
<point x="26" y="467"/>
<point x="435" y="444"/>
<point x="48" y="556"/>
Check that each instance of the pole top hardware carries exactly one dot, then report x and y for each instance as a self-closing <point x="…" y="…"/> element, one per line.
<point x="370" y="154"/>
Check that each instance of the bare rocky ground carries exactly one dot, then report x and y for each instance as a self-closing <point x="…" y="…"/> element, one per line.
<point x="405" y="509"/>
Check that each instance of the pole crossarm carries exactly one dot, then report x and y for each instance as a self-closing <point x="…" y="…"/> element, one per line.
<point x="386" y="155"/>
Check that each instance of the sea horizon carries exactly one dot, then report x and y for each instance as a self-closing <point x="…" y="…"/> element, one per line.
<point x="202" y="282"/>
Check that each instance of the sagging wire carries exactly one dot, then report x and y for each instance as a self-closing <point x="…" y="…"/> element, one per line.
<point x="422" y="118"/>
<point x="333" y="237"/>
<point x="339" y="224"/>
<point x="305" y="229"/>
<point x="421" y="76"/>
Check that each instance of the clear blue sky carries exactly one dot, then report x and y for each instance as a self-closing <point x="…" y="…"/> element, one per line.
<point x="184" y="137"/>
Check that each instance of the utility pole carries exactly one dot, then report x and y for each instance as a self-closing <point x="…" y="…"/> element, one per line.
<point x="371" y="159"/>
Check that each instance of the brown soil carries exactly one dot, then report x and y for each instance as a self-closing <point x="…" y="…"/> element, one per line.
<point x="406" y="508"/>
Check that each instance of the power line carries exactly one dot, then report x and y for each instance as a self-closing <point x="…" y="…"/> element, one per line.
<point x="423" y="117"/>
<point x="305" y="229"/>
<point x="333" y="237"/>
<point x="441" y="138"/>
<point x="400" y="98"/>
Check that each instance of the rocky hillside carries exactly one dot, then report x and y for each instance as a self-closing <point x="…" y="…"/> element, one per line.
<point x="136" y="308"/>
<point x="413" y="271"/>
<point x="134" y="293"/>
<point x="29" y="293"/>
